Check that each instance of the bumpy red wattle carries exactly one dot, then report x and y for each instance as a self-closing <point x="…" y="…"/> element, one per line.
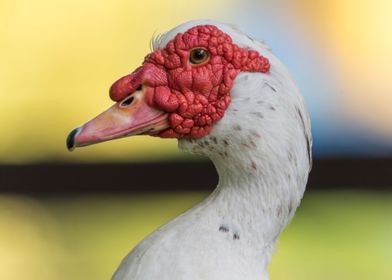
<point x="196" y="96"/>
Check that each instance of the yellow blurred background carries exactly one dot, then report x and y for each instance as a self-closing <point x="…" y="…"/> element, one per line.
<point x="57" y="62"/>
<point x="58" y="59"/>
<point x="358" y="35"/>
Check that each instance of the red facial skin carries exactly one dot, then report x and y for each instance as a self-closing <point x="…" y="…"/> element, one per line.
<point x="194" y="95"/>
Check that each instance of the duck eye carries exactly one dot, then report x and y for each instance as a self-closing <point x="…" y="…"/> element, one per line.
<point x="198" y="56"/>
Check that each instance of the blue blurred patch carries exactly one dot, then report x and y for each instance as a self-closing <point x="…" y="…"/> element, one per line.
<point x="334" y="135"/>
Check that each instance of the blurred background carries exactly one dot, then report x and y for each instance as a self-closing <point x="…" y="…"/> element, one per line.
<point x="75" y="215"/>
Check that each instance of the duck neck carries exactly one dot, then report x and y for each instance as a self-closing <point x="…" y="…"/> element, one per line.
<point x="255" y="199"/>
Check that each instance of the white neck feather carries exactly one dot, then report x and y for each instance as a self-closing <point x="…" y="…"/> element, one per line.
<point x="255" y="200"/>
<point x="261" y="150"/>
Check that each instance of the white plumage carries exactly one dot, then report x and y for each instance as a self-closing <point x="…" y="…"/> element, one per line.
<point x="262" y="152"/>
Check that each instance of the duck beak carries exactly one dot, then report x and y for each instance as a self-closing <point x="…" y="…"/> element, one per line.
<point x="130" y="116"/>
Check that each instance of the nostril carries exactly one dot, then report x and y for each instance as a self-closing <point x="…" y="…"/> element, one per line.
<point x="127" y="102"/>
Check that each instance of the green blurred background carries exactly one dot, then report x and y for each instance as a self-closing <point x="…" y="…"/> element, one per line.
<point x="338" y="235"/>
<point x="57" y="61"/>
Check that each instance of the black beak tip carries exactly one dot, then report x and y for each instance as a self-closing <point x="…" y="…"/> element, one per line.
<point x="71" y="139"/>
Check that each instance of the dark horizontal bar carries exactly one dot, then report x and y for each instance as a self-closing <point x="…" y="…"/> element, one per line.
<point x="366" y="173"/>
<point x="167" y="176"/>
<point x="173" y="176"/>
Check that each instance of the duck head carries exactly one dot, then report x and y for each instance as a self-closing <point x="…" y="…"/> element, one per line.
<point x="182" y="89"/>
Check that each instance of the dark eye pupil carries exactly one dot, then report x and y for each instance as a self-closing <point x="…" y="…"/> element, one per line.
<point x="198" y="56"/>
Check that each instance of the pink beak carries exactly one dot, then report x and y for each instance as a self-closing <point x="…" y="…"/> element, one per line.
<point x="130" y="116"/>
